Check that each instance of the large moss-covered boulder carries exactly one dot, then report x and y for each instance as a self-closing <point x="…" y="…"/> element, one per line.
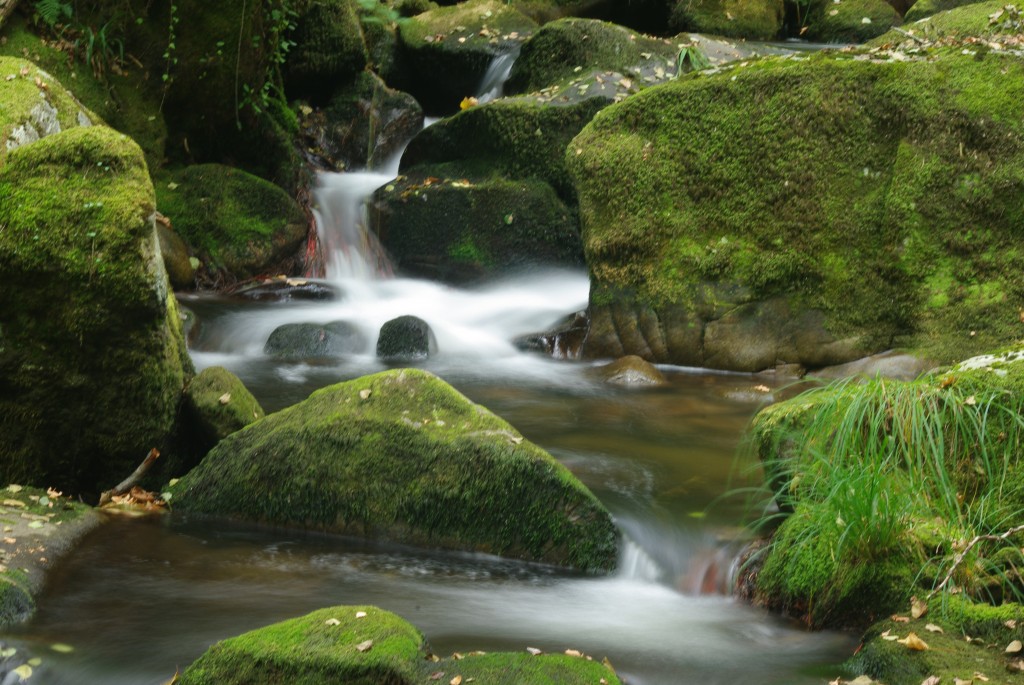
<point x="965" y="20"/>
<point x="240" y="225"/>
<point x="458" y="230"/>
<point x="849" y="21"/>
<point x="401" y="455"/>
<point x="33" y="105"/>
<point x="750" y="19"/>
<point x="328" y="48"/>
<point x="92" y="360"/>
<point x="809" y="210"/>
<point x="215" y="405"/>
<point x="926" y="8"/>
<point x="366" y="645"/>
<point x="450" y="49"/>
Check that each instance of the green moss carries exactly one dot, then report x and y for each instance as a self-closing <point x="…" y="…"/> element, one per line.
<point x="926" y="8"/>
<point x="839" y="179"/>
<point x="328" y="48"/>
<point x="509" y="224"/>
<point x="323" y="646"/>
<point x="364" y="645"/>
<point x="561" y="50"/>
<point x="751" y="19"/>
<point x="16" y="603"/>
<point x="402" y="455"/>
<point x="33" y="104"/>
<point x="431" y="41"/>
<point x="234" y="221"/>
<point x="93" y="359"/>
<point x="844" y="22"/>
<point x="965" y="20"/>
<point x="950" y="655"/>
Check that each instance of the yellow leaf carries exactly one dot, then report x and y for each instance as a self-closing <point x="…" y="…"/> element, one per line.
<point x="468" y="102"/>
<point x="932" y="628"/>
<point x="24" y="672"/>
<point x="225" y="398"/>
<point x="918" y="607"/>
<point x="912" y="641"/>
<point x="365" y="646"/>
<point x="457" y="680"/>
<point x="1014" y="647"/>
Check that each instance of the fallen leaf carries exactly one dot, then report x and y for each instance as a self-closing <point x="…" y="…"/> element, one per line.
<point x="24" y="672"/>
<point x="13" y="503"/>
<point x="534" y="651"/>
<point x="36" y="524"/>
<point x="365" y="646"/>
<point x="1016" y="666"/>
<point x="14" y="488"/>
<point x="468" y="102"/>
<point x="901" y="619"/>
<point x="980" y="676"/>
<point x="62" y="648"/>
<point x="1011" y="624"/>
<point x="573" y="652"/>
<point x="457" y="680"/>
<point x="918" y="607"/>
<point x="932" y="628"/>
<point x="364" y="393"/>
<point x="360" y="614"/>
<point x="332" y="622"/>
<point x="1014" y="647"/>
<point x="961" y="681"/>
<point x="436" y="675"/>
<point x="912" y="641"/>
<point x="931" y="680"/>
<point x="225" y="398"/>
<point x="971" y="401"/>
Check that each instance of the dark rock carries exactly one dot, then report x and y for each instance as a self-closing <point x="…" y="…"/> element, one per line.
<point x="176" y="258"/>
<point x="328" y="49"/>
<point x="563" y="341"/>
<point x="287" y="290"/>
<point x="749" y="19"/>
<point x="406" y="339"/>
<point x="310" y="341"/>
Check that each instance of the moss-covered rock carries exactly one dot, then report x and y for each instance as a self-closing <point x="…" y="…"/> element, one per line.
<point x="563" y="49"/>
<point x="458" y="230"/>
<point x="366" y="645"/>
<point x="926" y="8"/>
<point x="964" y="21"/>
<point x="824" y="195"/>
<point x="364" y="124"/>
<point x="401" y="455"/>
<point x="750" y="19"/>
<point x="958" y="651"/>
<point x="406" y="339"/>
<point x="450" y="48"/>
<point x="312" y="342"/>
<point x="34" y="105"/>
<point x="516" y="138"/>
<point x="92" y="360"/>
<point x="215" y="405"/>
<point x="631" y="371"/>
<point x="177" y="261"/>
<point x="849" y="21"/>
<point x="239" y="225"/>
<point x="328" y="48"/>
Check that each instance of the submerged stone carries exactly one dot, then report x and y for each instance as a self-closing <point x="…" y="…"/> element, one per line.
<point x="364" y="644"/>
<point x="402" y="456"/>
<point x="631" y="371"/>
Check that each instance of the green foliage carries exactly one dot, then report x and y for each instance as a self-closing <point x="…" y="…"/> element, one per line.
<point x="872" y="471"/>
<point x="53" y="11"/>
<point x="691" y="58"/>
<point x="377" y="12"/>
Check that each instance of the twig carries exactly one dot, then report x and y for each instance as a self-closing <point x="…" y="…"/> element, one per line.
<point x="132" y="480"/>
<point x="908" y="34"/>
<point x="970" y="545"/>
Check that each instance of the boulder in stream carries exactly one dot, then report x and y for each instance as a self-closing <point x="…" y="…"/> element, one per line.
<point x="311" y="341"/>
<point x="631" y="371"/>
<point x="92" y="359"/>
<point x="406" y="339"/>
<point x="215" y="404"/>
<point x="729" y="222"/>
<point x="402" y="456"/>
<point x="327" y="48"/>
<point x="365" y="644"/>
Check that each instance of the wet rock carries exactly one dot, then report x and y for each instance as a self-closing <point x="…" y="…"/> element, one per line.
<point x="310" y="341"/>
<point x="406" y="339"/>
<point x="328" y="49"/>
<point x="362" y="126"/>
<point x="563" y="341"/>
<point x="176" y="258"/>
<point x="631" y="371"/>
<point x="402" y="456"/>
<point x="850" y="21"/>
<point x="748" y="19"/>
<point x="890" y="364"/>
<point x="288" y="290"/>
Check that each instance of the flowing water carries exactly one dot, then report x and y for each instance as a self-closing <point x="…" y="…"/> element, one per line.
<point x="143" y="597"/>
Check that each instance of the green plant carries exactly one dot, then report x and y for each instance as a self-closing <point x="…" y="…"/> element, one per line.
<point x="377" y="12"/>
<point x="691" y="58"/>
<point x="282" y="21"/>
<point x="878" y="467"/>
<point x="53" y="11"/>
<point x="102" y="50"/>
<point x="170" y="58"/>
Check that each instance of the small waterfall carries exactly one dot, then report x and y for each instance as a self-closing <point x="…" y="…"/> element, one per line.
<point x="636" y="564"/>
<point x="492" y="85"/>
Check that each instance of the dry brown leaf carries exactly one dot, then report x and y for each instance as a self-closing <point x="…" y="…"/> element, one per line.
<point x="360" y="614"/>
<point x="14" y="503"/>
<point x="1014" y="647"/>
<point x="901" y="619"/>
<point x="912" y="641"/>
<point x="918" y="607"/>
<point x="1016" y="666"/>
<point x="1011" y="624"/>
<point x="365" y="646"/>
<point x="980" y="676"/>
<point x="332" y="622"/>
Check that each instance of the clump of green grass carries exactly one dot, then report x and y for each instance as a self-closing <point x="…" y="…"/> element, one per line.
<point x="875" y="478"/>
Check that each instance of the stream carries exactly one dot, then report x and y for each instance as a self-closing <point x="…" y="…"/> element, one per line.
<point x="142" y="597"/>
